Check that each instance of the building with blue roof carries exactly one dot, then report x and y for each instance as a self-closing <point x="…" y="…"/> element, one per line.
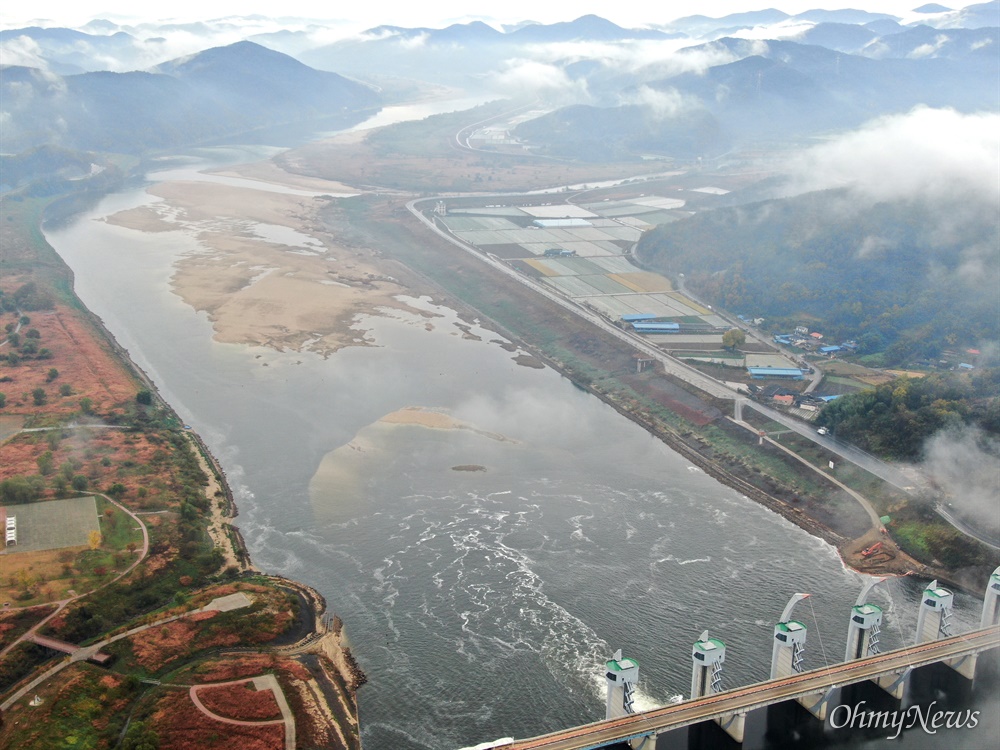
<point x="784" y="373"/>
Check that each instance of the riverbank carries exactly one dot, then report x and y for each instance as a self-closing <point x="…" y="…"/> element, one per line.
<point x="103" y="419"/>
<point x="260" y="297"/>
<point x="262" y="267"/>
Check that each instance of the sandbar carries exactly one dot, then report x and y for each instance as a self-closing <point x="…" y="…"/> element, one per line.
<point x="267" y="270"/>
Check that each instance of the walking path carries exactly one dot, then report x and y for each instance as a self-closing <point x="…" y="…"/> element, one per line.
<point x="221" y="604"/>
<point x="263" y="682"/>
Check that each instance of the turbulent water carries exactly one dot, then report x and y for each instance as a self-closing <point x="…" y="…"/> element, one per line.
<point x="486" y="566"/>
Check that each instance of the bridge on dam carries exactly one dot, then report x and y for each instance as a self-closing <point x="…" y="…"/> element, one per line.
<point x="789" y="680"/>
<point x="741" y="700"/>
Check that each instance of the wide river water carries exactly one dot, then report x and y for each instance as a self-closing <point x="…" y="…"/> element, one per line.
<point x="481" y="603"/>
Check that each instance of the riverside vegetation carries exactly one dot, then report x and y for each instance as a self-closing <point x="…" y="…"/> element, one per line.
<point x="77" y="419"/>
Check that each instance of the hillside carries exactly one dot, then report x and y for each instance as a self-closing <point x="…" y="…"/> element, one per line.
<point x="596" y="134"/>
<point x="216" y="93"/>
<point x="888" y="275"/>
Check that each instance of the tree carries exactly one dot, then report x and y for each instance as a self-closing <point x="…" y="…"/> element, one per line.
<point x="33" y="333"/>
<point x="46" y="464"/>
<point x="733" y="339"/>
<point x="65" y="389"/>
<point x="3" y="399"/>
<point x="39" y="396"/>
<point x="19" y="489"/>
<point x="52" y="374"/>
<point x="86" y="405"/>
<point x="144" y="397"/>
<point x="94" y="539"/>
<point x="79" y="483"/>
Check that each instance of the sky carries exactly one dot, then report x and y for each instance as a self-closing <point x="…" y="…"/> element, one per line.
<point x="427" y="13"/>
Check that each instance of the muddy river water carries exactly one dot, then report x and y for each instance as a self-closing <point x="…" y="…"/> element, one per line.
<point x="489" y="533"/>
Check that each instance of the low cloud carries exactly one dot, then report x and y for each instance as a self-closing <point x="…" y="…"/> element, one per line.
<point x="965" y="464"/>
<point x="23" y="51"/>
<point x="661" y="104"/>
<point x="932" y="154"/>
<point x="790" y="29"/>
<point x="872" y="247"/>
<point x="661" y="58"/>
<point x="520" y="77"/>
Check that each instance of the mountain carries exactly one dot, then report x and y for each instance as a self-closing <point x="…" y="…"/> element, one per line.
<point x="210" y="95"/>
<point x="881" y="273"/>
<point x="585" y="28"/>
<point x="66" y="51"/>
<point x="925" y="42"/>
<point x="885" y="26"/>
<point x="619" y="133"/>
<point x="700" y="25"/>
<point x="846" y="15"/>
<point x="782" y="88"/>
<point x="977" y="16"/>
<point x="460" y="54"/>
<point x="843" y="37"/>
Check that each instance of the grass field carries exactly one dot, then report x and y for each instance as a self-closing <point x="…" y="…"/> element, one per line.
<point x="53" y="525"/>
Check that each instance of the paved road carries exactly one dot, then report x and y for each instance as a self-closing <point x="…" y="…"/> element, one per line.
<point x="815" y="682"/>
<point x="264" y="682"/>
<point x="965" y="528"/>
<point x="879" y="468"/>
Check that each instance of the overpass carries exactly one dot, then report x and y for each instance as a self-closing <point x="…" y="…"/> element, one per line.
<point x="744" y="699"/>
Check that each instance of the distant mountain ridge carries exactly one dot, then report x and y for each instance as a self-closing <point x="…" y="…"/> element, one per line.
<point x="215" y="93"/>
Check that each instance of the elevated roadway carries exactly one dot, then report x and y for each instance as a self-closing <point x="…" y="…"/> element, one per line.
<point x="761" y="694"/>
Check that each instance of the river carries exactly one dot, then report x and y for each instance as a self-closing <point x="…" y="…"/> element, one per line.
<point x="486" y="567"/>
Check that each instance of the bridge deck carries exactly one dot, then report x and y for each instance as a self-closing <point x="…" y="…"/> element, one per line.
<point x="53" y="643"/>
<point x="603" y="733"/>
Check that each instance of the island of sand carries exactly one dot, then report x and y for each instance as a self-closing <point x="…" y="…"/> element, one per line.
<point x="266" y="271"/>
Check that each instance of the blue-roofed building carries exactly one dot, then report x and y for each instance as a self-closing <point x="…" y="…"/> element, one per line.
<point x="784" y="373"/>
<point x="646" y="327"/>
<point x="830" y="349"/>
<point x="638" y="317"/>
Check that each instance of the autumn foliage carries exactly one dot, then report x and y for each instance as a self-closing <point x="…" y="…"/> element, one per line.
<point x="241" y="701"/>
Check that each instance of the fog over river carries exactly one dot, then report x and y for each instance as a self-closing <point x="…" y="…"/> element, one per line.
<point x="481" y="601"/>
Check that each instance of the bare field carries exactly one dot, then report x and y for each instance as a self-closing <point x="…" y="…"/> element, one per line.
<point x="82" y="361"/>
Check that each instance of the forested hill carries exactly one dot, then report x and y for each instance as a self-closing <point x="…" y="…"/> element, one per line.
<point x="896" y="419"/>
<point x="905" y="279"/>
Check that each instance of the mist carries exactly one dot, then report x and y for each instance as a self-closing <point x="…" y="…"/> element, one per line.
<point x="939" y="155"/>
<point x="965" y="464"/>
